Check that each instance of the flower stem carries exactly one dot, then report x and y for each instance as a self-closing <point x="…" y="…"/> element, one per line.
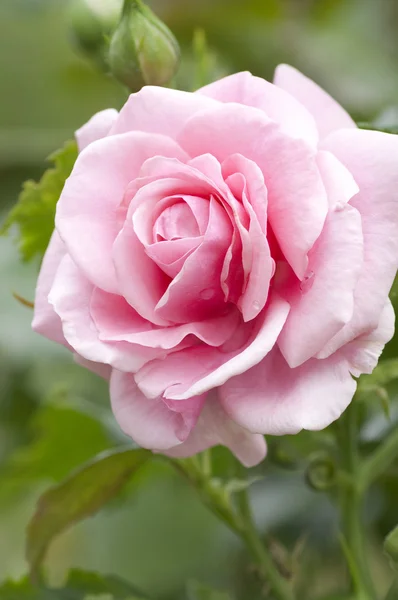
<point x="261" y="554"/>
<point x="351" y="505"/>
<point x="237" y="518"/>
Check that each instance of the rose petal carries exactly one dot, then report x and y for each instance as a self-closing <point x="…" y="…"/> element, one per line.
<point x="159" y="110"/>
<point x="170" y="256"/>
<point x="243" y="88"/>
<point x="247" y="183"/>
<point x="338" y="181"/>
<point x="296" y="195"/>
<point x="328" y="113"/>
<point x="116" y="321"/>
<point x="274" y="399"/>
<point x="87" y="212"/>
<point x="322" y="304"/>
<point x="364" y="352"/>
<point x="214" y="428"/>
<point x="70" y="296"/>
<point x="151" y="423"/>
<point x="196" y="292"/>
<point x="196" y="370"/>
<point x="96" y="128"/>
<point x="99" y="369"/>
<point x="372" y="158"/>
<point x="45" y="320"/>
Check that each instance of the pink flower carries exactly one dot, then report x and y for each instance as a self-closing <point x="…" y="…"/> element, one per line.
<point x="226" y="258"/>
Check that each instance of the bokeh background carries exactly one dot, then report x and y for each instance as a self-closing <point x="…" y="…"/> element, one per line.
<point x="53" y="414"/>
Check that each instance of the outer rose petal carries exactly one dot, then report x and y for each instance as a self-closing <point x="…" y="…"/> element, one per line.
<point x="338" y="181"/>
<point x="328" y="113"/>
<point x="45" y="320"/>
<point x="372" y="158"/>
<point x="99" y="369"/>
<point x="213" y="428"/>
<point x="96" y="128"/>
<point x="297" y="202"/>
<point x="159" y="110"/>
<point x="243" y="88"/>
<point x="150" y="422"/>
<point x="196" y="370"/>
<point x="274" y="399"/>
<point x="364" y="352"/>
<point x="87" y="213"/>
<point x="70" y="296"/>
<point x="319" y="312"/>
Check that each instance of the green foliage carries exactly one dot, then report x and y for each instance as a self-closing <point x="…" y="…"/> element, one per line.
<point x="81" y="495"/>
<point x="393" y="592"/>
<point x="34" y="213"/>
<point x="198" y="591"/>
<point x="51" y="455"/>
<point x="79" y="586"/>
<point x="384" y="373"/>
<point x="391" y="547"/>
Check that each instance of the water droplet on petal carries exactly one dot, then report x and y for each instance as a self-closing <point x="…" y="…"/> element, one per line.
<point x="256" y="305"/>
<point x="307" y="282"/>
<point x="207" y="294"/>
<point x="340" y="206"/>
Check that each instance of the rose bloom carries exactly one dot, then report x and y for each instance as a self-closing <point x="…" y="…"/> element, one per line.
<point x="225" y="258"/>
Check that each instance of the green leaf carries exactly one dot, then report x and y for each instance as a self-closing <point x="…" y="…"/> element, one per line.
<point x="393" y="592"/>
<point x="81" y="495"/>
<point x="391" y="547"/>
<point x="34" y="212"/>
<point x="198" y="591"/>
<point x="79" y="586"/>
<point x="50" y="454"/>
<point x="93" y="583"/>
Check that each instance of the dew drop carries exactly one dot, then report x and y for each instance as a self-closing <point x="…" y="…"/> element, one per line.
<point x="207" y="294"/>
<point x="339" y="206"/>
<point x="256" y="305"/>
<point x="307" y="282"/>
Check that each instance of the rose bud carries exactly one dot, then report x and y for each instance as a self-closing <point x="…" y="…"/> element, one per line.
<point x="143" y="51"/>
<point x="92" y="22"/>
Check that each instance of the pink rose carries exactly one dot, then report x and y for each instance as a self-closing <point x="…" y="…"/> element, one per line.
<point x="226" y="258"/>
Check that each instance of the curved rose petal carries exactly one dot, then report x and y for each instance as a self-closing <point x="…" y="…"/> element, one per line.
<point x="328" y="113"/>
<point x="364" y="352"/>
<point x="196" y="370"/>
<point x="247" y="183"/>
<point x="296" y="194"/>
<point x="96" y="128"/>
<point x="141" y="281"/>
<point x="45" y="319"/>
<point x="70" y="296"/>
<point x="274" y="399"/>
<point x="338" y="181"/>
<point x="322" y="304"/>
<point x="99" y="369"/>
<point x="176" y="221"/>
<point x="87" y="212"/>
<point x="170" y="256"/>
<point x="116" y="321"/>
<point x="151" y="423"/>
<point x="159" y="110"/>
<point x="196" y="292"/>
<point x="243" y="88"/>
<point x="214" y="428"/>
<point x="372" y="158"/>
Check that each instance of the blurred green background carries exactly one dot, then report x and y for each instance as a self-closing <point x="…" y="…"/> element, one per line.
<point x="54" y="415"/>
